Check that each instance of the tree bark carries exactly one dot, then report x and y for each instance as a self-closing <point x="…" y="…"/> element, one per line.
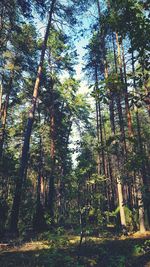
<point x="128" y="113"/>
<point x="121" y="204"/>
<point x="4" y="112"/>
<point x="140" y="206"/>
<point x="1" y="94"/>
<point x="25" y="149"/>
<point x="118" y="100"/>
<point x="112" y="121"/>
<point x="98" y="105"/>
<point x="143" y="169"/>
<point x="39" y="223"/>
<point x="61" y="193"/>
<point x="52" y="156"/>
<point x="97" y="123"/>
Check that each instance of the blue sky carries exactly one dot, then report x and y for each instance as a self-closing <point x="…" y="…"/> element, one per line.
<point x="80" y="43"/>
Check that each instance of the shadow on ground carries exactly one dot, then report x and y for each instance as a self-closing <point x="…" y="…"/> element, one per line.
<point x="108" y="253"/>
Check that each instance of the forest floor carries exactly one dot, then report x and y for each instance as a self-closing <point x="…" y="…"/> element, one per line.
<point x="51" y="250"/>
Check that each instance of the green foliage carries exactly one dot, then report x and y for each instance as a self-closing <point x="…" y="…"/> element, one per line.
<point x="118" y="261"/>
<point x="47" y="218"/>
<point x="128" y="215"/>
<point x="118" y="76"/>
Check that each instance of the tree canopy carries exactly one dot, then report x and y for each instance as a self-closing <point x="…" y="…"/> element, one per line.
<point x="70" y="158"/>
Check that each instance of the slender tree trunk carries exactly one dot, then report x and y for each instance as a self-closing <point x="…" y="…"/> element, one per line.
<point x="116" y="159"/>
<point x="69" y="130"/>
<point x="25" y="149"/>
<point x="2" y="14"/>
<point x="101" y="153"/>
<point x="61" y="190"/>
<point x="141" y="203"/>
<point x="112" y="115"/>
<point x="143" y="169"/>
<point x="4" y="112"/>
<point x="110" y="175"/>
<point x="112" y="120"/>
<point x="1" y="94"/>
<point x="128" y="113"/>
<point x="123" y="138"/>
<point x="121" y="124"/>
<point x="52" y="155"/>
<point x="98" y="139"/>
<point x="118" y="100"/>
<point x="101" y="139"/>
<point x="39" y="223"/>
<point x="121" y="203"/>
<point x="98" y="105"/>
<point x="120" y="190"/>
<point x="104" y="63"/>
<point x="39" y="176"/>
<point x="97" y="123"/>
<point x="111" y="103"/>
<point x="51" y="189"/>
<point x="99" y="9"/>
<point x="119" y="185"/>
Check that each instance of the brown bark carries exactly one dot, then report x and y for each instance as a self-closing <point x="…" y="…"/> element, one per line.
<point x="97" y="123"/>
<point x="39" y="223"/>
<point x="119" y="187"/>
<point x="52" y="156"/>
<point x="123" y="138"/>
<point x="4" y="112"/>
<point x="143" y="174"/>
<point x="61" y="183"/>
<point x="110" y="175"/>
<point x="116" y="159"/>
<point x="118" y="101"/>
<point x="101" y="140"/>
<point x="2" y="14"/>
<point x="25" y="149"/>
<point x="100" y="124"/>
<point x="101" y="153"/>
<point x="141" y="203"/>
<point x="98" y="104"/>
<point x="121" y="124"/>
<point x="121" y="203"/>
<point x="128" y="113"/>
<point x="1" y="94"/>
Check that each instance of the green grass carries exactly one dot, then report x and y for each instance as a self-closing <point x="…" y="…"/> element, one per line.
<point x="63" y="251"/>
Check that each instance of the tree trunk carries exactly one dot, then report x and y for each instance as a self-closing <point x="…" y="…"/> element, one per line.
<point x="97" y="123"/>
<point x="4" y="112"/>
<point x="52" y="155"/>
<point x="140" y="206"/>
<point x="112" y="120"/>
<point x="98" y="105"/>
<point x="63" y="173"/>
<point x="39" y="223"/>
<point x="110" y="175"/>
<point x="140" y="152"/>
<point x="121" y="204"/>
<point x="128" y="113"/>
<point x="25" y="149"/>
<point x="1" y="94"/>
<point x="101" y="139"/>
<point x="118" y="100"/>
